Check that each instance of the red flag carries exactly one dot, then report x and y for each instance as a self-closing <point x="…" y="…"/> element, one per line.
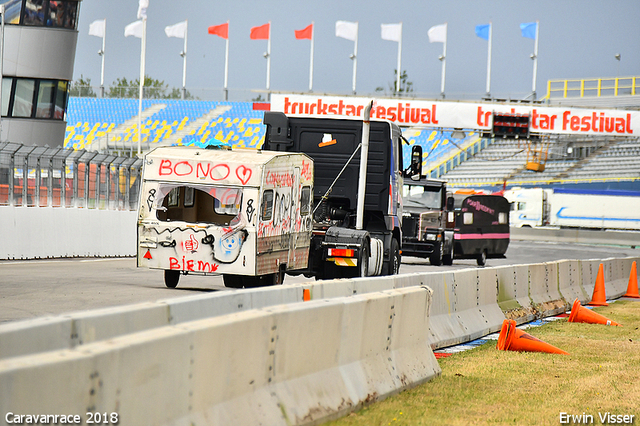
<point x="261" y="32"/>
<point x="305" y="33"/>
<point x="220" y="30"/>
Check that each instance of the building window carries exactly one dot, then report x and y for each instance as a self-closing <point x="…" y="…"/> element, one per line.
<point x="45" y="99"/>
<point x="6" y="95"/>
<point x="23" y="98"/>
<point x="43" y="13"/>
<point x="18" y="98"/>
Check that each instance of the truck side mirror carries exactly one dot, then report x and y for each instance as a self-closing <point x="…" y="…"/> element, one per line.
<point x="450" y="202"/>
<point x="415" y="169"/>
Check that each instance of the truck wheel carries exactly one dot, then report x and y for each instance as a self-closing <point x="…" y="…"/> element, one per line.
<point x="171" y="278"/>
<point x="363" y="262"/>
<point x="232" y="281"/>
<point x="482" y="258"/>
<point x="447" y="259"/>
<point x="436" y="258"/>
<point x="392" y="267"/>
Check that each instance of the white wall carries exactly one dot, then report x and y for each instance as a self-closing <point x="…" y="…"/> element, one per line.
<point x="44" y="232"/>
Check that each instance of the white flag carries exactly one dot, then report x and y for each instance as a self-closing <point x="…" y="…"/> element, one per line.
<point x="133" y="29"/>
<point x="177" y="30"/>
<point x="392" y="32"/>
<point x="142" y="9"/>
<point x="346" y="29"/>
<point x="97" y="28"/>
<point x="438" y="34"/>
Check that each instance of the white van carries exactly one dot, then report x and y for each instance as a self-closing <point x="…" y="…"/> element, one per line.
<point x="244" y="214"/>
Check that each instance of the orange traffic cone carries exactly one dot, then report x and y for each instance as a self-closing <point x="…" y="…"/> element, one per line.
<point x="632" y="290"/>
<point x="599" y="295"/>
<point x="513" y="339"/>
<point x="581" y="314"/>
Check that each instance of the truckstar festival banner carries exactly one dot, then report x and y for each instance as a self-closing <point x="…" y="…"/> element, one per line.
<point x="463" y="115"/>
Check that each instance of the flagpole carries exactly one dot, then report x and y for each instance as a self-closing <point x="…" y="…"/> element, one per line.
<point x="535" y="62"/>
<point x="489" y="61"/>
<point x="399" y="61"/>
<point x="143" y="46"/>
<point x="311" y="60"/>
<point x="104" y="36"/>
<point x="184" y="58"/>
<point x="269" y="58"/>
<point x="443" y="58"/>
<point x="354" y="57"/>
<point x="226" y="67"/>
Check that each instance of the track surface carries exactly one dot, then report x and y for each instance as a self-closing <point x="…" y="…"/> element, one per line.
<point x="35" y="288"/>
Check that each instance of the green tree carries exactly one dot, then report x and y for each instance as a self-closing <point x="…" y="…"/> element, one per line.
<point x="406" y="86"/>
<point x="176" y="93"/>
<point x="153" y="89"/>
<point x="82" y="87"/>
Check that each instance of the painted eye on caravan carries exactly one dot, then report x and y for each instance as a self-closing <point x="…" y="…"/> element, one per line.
<point x="467" y="218"/>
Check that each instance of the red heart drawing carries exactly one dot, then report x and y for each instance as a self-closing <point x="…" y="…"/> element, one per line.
<point x="244" y="175"/>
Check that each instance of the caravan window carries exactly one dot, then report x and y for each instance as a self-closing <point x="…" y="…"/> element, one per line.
<point x="305" y="201"/>
<point x="267" y="206"/>
<point x="198" y="203"/>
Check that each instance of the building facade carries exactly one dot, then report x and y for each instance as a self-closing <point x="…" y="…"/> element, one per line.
<point x="39" y="54"/>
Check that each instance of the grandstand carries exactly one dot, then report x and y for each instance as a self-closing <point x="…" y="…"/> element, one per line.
<point x="464" y="159"/>
<point x="111" y="125"/>
<point x="102" y="124"/>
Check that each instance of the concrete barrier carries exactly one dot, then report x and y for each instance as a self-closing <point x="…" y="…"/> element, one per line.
<point x="513" y="293"/>
<point x="570" y="282"/>
<point x="544" y="289"/>
<point x="292" y="364"/>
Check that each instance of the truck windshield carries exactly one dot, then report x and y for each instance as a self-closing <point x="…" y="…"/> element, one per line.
<point x="198" y="203"/>
<point x="422" y="197"/>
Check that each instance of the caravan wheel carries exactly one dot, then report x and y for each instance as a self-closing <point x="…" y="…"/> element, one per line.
<point x="171" y="278"/>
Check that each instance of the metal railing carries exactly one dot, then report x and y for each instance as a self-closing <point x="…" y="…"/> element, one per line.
<point x="39" y="176"/>
<point x="618" y="86"/>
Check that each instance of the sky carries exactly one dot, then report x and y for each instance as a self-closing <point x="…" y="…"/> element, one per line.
<point x="578" y="39"/>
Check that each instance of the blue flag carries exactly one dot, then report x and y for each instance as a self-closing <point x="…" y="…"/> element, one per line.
<point x="482" y="31"/>
<point x="529" y="29"/>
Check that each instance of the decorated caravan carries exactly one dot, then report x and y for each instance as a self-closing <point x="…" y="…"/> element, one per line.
<point x="243" y="214"/>
<point x="481" y="227"/>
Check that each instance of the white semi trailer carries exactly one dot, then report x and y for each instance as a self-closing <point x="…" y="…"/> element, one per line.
<point x="575" y="208"/>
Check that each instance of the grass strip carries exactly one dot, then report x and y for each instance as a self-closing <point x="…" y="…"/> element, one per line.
<point x="485" y="386"/>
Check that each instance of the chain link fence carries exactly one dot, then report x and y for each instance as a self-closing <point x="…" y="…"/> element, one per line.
<point x="39" y="176"/>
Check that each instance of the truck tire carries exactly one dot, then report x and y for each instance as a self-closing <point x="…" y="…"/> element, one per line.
<point x="232" y="281"/>
<point x="171" y="278"/>
<point x="482" y="258"/>
<point x="436" y="257"/>
<point x="447" y="259"/>
<point x="363" y="262"/>
<point x="392" y="267"/>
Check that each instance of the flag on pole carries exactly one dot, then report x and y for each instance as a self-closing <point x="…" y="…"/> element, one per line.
<point x="142" y="9"/>
<point x="346" y="29"/>
<point x="177" y="30"/>
<point x="133" y="29"/>
<point x="305" y="33"/>
<point x="221" y="30"/>
<point x="97" y="28"/>
<point x="482" y="31"/>
<point x="529" y="30"/>
<point x="261" y="32"/>
<point x="438" y="34"/>
<point x="391" y="32"/>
